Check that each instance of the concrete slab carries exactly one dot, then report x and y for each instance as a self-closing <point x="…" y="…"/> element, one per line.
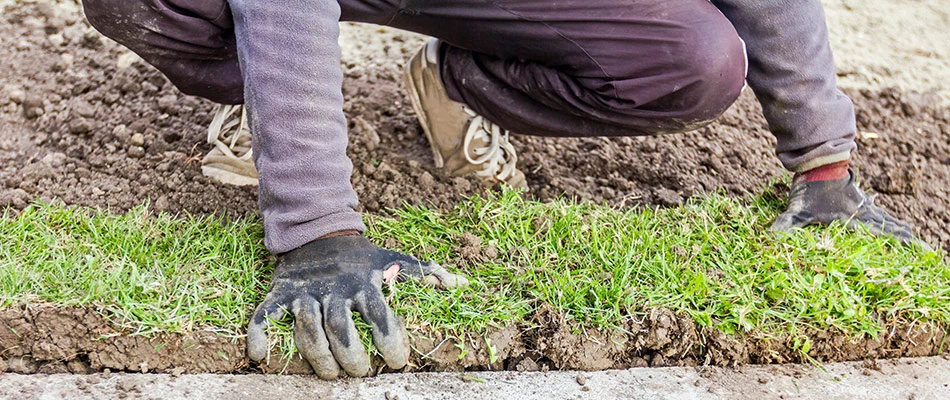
<point x="922" y="378"/>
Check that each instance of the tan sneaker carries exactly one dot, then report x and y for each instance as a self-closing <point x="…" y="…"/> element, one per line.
<point x="231" y="160"/>
<point x="462" y="141"/>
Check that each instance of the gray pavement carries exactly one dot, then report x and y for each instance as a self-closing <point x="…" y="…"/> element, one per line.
<point x="919" y="378"/>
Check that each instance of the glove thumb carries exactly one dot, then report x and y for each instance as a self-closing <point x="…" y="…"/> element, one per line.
<point x="789" y="221"/>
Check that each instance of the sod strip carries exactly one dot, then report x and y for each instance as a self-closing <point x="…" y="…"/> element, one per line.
<point x="153" y="273"/>
<point x="712" y="259"/>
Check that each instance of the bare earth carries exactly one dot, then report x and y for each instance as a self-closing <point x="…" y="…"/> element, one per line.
<point x="903" y="43"/>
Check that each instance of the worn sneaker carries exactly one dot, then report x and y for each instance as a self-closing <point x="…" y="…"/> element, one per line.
<point x="462" y="141"/>
<point x="231" y="160"/>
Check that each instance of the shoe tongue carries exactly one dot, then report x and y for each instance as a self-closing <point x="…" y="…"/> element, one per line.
<point x="432" y="51"/>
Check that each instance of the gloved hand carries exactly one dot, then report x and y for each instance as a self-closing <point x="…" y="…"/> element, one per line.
<point x="822" y="202"/>
<point x="321" y="283"/>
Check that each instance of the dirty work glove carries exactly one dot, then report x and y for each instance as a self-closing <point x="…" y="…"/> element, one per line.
<point x="822" y="202"/>
<point x="321" y="283"/>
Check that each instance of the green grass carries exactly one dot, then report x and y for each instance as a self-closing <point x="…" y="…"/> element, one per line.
<point x="150" y="272"/>
<point x="712" y="259"/>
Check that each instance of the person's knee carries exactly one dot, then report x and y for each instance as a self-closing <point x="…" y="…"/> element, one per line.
<point x="712" y="61"/>
<point x="198" y="57"/>
<point x="696" y="71"/>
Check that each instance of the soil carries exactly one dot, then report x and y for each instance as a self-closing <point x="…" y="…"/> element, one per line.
<point x="51" y="339"/>
<point x="83" y="121"/>
<point x="902" y="43"/>
<point x="82" y="127"/>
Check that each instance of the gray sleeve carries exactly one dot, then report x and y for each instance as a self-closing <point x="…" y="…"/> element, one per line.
<point x="290" y="61"/>
<point x="791" y="71"/>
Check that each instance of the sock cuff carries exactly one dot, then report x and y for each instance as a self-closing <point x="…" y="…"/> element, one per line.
<point x="827" y="172"/>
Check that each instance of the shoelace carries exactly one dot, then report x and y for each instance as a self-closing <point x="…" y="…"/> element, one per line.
<point x="498" y="158"/>
<point x="230" y="133"/>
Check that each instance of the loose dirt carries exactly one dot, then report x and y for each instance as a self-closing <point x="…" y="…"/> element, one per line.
<point x="82" y="126"/>
<point x="84" y="122"/>
<point x="50" y="339"/>
<point x="902" y="43"/>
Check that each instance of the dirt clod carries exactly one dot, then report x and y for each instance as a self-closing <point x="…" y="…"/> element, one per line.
<point x="16" y="95"/>
<point x="527" y="365"/>
<point x="137" y="139"/>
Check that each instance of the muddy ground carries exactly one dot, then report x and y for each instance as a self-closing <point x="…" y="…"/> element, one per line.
<point x="84" y="122"/>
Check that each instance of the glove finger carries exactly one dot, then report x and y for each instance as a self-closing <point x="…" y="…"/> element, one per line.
<point x="884" y="225"/>
<point x="789" y="221"/>
<point x="269" y="309"/>
<point x="385" y="258"/>
<point x="432" y="274"/>
<point x="312" y="340"/>
<point x="443" y="279"/>
<point x="880" y="223"/>
<point x="344" y="339"/>
<point x="427" y="272"/>
<point x="389" y="334"/>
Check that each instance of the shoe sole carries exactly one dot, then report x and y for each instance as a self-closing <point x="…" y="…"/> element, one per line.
<point x="417" y="108"/>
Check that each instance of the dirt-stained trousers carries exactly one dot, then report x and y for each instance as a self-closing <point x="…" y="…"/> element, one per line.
<point x="565" y="68"/>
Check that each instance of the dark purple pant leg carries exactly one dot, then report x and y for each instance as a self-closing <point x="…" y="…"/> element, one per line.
<point x="571" y="68"/>
<point x="190" y="41"/>
<point x="586" y="67"/>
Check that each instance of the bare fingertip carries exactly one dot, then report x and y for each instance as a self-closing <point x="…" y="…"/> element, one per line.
<point x="391" y="273"/>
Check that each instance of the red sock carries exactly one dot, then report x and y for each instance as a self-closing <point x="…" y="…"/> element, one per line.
<point x="827" y="172"/>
